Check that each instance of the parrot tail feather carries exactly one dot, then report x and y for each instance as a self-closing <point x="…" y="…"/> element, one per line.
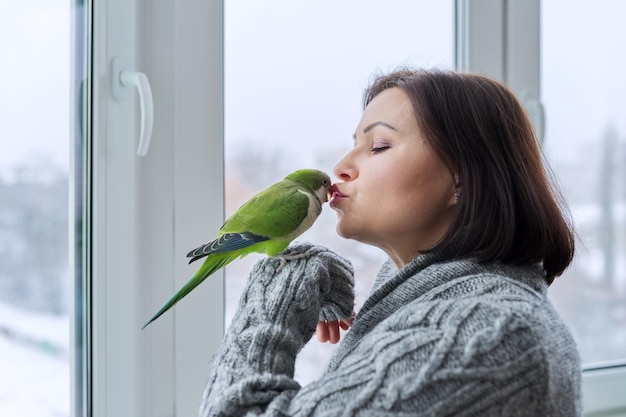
<point x="209" y="267"/>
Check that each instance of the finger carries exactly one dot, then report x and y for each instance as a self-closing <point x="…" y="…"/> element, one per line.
<point x="322" y="331"/>
<point x="346" y="323"/>
<point x="333" y="331"/>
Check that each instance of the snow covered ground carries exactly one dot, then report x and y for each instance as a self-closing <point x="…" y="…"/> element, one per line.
<point x="34" y="364"/>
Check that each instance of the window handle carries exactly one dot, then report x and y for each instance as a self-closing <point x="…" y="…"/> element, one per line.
<point x="124" y="80"/>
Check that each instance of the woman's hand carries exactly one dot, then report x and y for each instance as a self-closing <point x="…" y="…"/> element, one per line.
<point x="329" y="330"/>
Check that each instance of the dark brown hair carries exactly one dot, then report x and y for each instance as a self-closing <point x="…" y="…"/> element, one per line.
<point x="508" y="209"/>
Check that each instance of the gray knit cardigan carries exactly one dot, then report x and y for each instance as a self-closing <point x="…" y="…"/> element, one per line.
<point x="440" y="337"/>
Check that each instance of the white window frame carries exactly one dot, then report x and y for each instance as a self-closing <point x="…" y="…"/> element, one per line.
<point x="501" y="38"/>
<point x="147" y="212"/>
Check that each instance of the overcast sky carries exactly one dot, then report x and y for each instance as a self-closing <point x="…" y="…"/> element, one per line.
<point x="34" y="82"/>
<point x="583" y="67"/>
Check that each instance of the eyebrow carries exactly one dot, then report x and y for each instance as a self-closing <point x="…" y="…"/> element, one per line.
<point x="373" y="125"/>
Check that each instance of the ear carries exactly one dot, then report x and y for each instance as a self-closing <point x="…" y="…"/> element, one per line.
<point x="456" y="192"/>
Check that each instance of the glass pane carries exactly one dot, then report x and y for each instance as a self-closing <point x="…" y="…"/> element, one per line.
<point x="294" y="76"/>
<point x="583" y="89"/>
<point x="34" y="269"/>
<point x="80" y="210"/>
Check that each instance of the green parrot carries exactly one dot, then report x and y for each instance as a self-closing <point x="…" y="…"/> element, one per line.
<point x="267" y="223"/>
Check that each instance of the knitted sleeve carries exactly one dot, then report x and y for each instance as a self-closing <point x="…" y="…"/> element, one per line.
<point x="252" y="373"/>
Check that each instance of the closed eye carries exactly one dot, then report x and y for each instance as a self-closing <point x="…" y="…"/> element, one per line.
<point x="379" y="148"/>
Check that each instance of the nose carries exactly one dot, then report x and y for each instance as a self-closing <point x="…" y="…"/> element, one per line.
<point x="345" y="169"/>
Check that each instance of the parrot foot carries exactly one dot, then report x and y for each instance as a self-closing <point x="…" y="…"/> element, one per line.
<point x="284" y="258"/>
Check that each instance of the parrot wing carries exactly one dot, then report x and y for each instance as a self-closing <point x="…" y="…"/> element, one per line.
<point x="226" y="243"/>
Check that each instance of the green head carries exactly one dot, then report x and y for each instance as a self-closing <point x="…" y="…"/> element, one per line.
<point x="317" y="181"/>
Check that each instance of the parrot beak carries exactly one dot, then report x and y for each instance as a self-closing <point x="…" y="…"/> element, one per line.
<point x="332" y="190"/>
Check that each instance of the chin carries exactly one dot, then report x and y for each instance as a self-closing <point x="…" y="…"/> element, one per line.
<point x="357" y="229"/>
<point x="342" y="230"/>
<point x="349" y="233"/>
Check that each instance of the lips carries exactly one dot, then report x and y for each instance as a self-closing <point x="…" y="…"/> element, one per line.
<point x="336" y="195"/>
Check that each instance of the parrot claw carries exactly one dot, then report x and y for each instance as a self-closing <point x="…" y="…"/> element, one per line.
<point x="283" y="262"/>
<point x="284" y="258"/>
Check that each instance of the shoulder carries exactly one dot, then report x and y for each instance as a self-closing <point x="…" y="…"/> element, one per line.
<point x="491" y="321"/>
<point x="462" y="293"/>
<point x="488" y="305"/>
<point x="472" y="307"/>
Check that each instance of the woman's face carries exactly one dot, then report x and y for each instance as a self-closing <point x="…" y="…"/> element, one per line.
<point x="395" y="193"/>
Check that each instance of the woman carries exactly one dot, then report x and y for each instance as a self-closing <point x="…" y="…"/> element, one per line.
<point x="446" y="177"/>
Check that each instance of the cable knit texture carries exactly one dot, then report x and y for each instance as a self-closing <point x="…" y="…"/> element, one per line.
<point x="440" y="337"/>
